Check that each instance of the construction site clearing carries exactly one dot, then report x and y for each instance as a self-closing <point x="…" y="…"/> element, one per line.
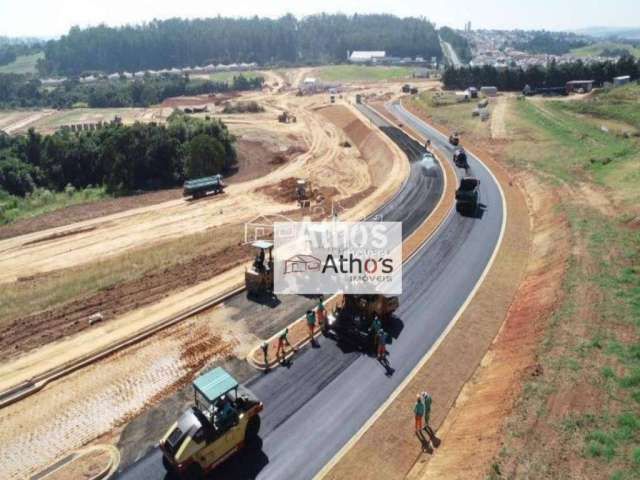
<point x="128" y="355"/>
<point x="348" y="181"/>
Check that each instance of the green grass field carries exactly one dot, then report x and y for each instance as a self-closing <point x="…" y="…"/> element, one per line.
<point x="43" y="201"/>
<point x="620" y="104"/>
<point x="597" y="48"/>
<point x="446" y="110"/>
<point x="360" y="73"/>
<point x="24" y="64"/>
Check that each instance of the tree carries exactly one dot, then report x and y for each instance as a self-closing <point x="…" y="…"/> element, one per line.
<point x="205" y="156"/>
<point x="16" y="177"/>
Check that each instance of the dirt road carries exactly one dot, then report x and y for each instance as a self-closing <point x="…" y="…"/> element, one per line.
<point x="92" y="401"/>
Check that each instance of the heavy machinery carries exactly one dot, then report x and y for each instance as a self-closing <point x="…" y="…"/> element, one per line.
<point x="199" y="187"/>
<point x="303" y="193"/>
<point x="454" y="139"/>
<point x="467" y="196"/>
<point x="259" y="278"/>
<point x="224" y="419"/>
<point x="351" y="319"/>
<point x="460" y="158"/>
<point x="286" y="117"/>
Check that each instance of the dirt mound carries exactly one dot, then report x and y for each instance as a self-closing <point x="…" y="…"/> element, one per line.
<point x="372" y="148"/>
<point x="190" y="101"/>
<point x="284" y="191"/>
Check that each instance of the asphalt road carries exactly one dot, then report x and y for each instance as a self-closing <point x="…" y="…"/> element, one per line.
<point x="314" y="406"/>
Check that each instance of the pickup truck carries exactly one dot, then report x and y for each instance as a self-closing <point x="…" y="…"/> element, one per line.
<point x="467" y="195"/>
<point x="199" y="187"/>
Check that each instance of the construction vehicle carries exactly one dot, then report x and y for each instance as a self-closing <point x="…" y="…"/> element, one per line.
<point x="224" y="419"/>
<point x="199" y="187"/>
<point x="351" y="319"/>
<point x="467" y="195"/>
<point x="259" y="278"/>
<point x="454" y="139"/>
<point x="286" y="117"/>
<point x="303" y="193"/>
<point x="460" y="158"/>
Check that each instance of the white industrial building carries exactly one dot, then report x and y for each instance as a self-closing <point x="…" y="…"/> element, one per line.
<point x="366" y="56"/>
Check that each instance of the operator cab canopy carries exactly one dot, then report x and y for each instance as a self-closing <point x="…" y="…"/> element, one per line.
<point x="213" y="385"/>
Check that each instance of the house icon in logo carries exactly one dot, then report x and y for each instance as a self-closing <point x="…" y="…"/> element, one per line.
<point x="301" y="263"/>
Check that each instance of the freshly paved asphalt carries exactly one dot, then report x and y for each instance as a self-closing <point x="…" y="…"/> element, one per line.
<point x="314" y="406"/>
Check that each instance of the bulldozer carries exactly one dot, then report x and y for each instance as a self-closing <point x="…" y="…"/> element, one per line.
<point x="351" y="319"/>
<point x="286" y="117"/>
<point x="258" y="279"/>
<point x="303" y="193"/>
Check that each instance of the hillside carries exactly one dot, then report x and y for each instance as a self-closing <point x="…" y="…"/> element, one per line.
<point x="178" y="42"/>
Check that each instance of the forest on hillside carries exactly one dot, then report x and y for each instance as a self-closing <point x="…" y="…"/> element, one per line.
<point x="159" y="44"/>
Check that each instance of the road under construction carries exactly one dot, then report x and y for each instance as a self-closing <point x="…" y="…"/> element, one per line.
<point x="326" y="396"/>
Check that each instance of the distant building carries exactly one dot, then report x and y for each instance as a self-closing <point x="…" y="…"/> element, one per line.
<point x="367" y="56"/>
<point x="579" y="86"/>
<point x="619" y="81"/>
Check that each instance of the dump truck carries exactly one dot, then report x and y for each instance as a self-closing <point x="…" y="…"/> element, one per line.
<point x="467" y="195"/>
<point x="460" y="158"/>
<point x="258" y="279"/>
<point x="199" y="187"/>
<point x="351" y="319"/>
<point x="454" y="139"/>
<point x="223" y="419"/>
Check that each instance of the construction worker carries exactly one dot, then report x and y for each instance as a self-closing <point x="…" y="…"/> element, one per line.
<point x="418" y="410"/>
<point x="265" y="352"/>
<point x="427" y="145"/>
<point x="282" y="339"/>
<point x="426" y="400"/>
<point x="311" y="322"/>
<point x="382" y="344"/>
<point x="321" y="314"/>
<point x="374" y="329"/>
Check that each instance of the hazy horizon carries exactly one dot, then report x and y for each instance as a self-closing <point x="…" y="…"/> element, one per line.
<point x="55" y="19"/>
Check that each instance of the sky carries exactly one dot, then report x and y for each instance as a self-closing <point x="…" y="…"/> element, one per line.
<point x="49" y="18"/>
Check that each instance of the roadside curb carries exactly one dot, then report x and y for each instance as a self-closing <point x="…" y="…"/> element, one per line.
<point x="439" y="209"/>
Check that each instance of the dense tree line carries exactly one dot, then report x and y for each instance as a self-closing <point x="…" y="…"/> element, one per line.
<point x="179" y="42"/>
<point x="24" y="91"/>
<point x="552" y="43"/>
<point x="457" y="42"/>
<point x="11" y="49"/>
<point x="122" y="158"/>
<point x="515" y="79"/>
